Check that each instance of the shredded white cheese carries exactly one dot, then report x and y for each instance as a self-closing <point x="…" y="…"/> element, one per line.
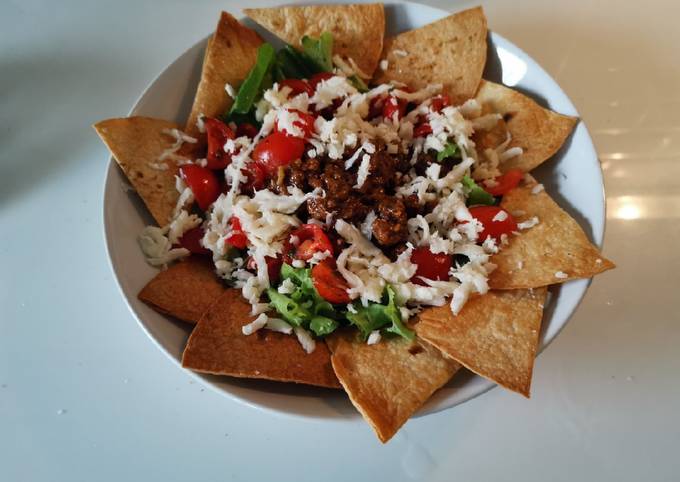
<point x="561" y="275"/>
<point x="374" y="337"/>
<point x="529" y="223"/>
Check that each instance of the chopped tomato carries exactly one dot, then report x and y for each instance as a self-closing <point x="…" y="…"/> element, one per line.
<point x="316" y="78"/>
<point x="422" y="130"/>
<point x="330" y="285"/>
<point x="191" y="240"/>
<point x="392" y="105"/>
<point x="297" y="87"/>
<point x="305" y="124"/>
<point x="278" y="149"/>
<point x="430" y="265"/>
<point x="505" y="183"/>
<point x="237" y="238"/>
<point x="202" y="182"/>
<point x="273" y="267"/>
<point x="439" y="102"/>
<point x="312" y="239"/>
<point x="495" y="229"/>
<point x="256" y="176"/>
<point x="218" y="133"/>
<point x="375" y="107"/>
<point x="246" y="129"/>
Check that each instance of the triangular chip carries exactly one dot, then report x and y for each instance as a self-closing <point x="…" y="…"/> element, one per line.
<point x="185" y="290"/>
<point x="495" y="335"/>
<point x="539" y="132"/>
<point x="358" y="30"/>
<point x="450" y="51"/>
<point x="553" y="251"/>
<point x="388" y="381"/>
<point x="137" y="144"/>
<point x="218" y="346"/>
<point x="230" y="54"/>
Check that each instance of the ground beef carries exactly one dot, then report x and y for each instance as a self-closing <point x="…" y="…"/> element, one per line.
<point x="353" y="204"/>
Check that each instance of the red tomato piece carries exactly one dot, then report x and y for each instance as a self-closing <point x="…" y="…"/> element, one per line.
<point x="297" y="87"/>
<point x="246" y="129"/>
<point x="237" y="238"/>
<point x="278" y="149"/>
<point x="202" y="182"/>
<point x="273" y="267"/>
<point x="495" y="229"/>
<point x="257" y="176"/>
<point x="505" y="183"/>
<point x="330" y="285"/>
<point x="439" y="102"/>
<point x="316" y="78"/>
<point x="217" y="133"/>
<point x="422" y="130"/>
<point x="306" y="124"/>
<point x="312" y="239"/>
<point x="375" y="107"/>
<point x="392" y="105"/>
<point x="430" y="265"/>
<point x="191" y="240"/>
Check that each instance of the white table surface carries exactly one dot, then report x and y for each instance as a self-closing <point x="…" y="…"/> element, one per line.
<point x="84" y="395"/>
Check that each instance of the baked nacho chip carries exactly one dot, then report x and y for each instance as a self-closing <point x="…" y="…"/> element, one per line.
<point x="358" y="30"/>
<point x="388" y="381"/>
<point x="137" y="144"/>
<point x="230" y="54"/>
<point x="185" y="290"/>
<point x="539" y="132"/>
<point x="553" y="251"/>
<point x="495" y="335"/>
<point x="450" y="51"/>
<point x="218" y="346"/>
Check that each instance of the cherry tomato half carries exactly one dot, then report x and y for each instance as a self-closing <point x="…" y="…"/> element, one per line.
<point x="273" y="267"/>
<point x="246" y="129"/>
<point x="392" y="105"/>
<point x="312" y="239"/>
<point x="505" y="183"/>
<point x="330" y="285"/>
<point x="191" y="240"/>
<point x="306" y="124"/>
<point x="495" y="229"/>
<point x="297" y="87"/>
<point x="278" y="149"/>
<point x="430" y="265"/>
<point x="422" y="130"/>
<point x="202" y="182"/>
<point x="256" y="176"/>
<point x="218" y="133"/>
<point x="439" y="102"/>
<point x="316" y="78"/>
<point x="237" y="238"/>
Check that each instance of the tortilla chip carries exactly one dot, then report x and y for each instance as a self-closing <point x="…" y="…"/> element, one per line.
<point x="388" y="381"/>
<point x="137" y="143"/>
<point x="553" y="251"/>
<point x="230" y="54"/>
<point x="450" y="51"/>
<point x="185" y="290"/>
<point x="218" y="346"/>
<point x="539" y="132"/>
<point x="358" y="30"/>
<point x="495" y="335"/>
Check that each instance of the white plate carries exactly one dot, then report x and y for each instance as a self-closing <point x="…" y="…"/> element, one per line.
<point x="573" y="177"/>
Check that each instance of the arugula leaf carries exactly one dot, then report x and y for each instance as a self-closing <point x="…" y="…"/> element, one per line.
<point x="476" y="195"/>
<point x="258" y="79"/>
<point x="292" y="64"/>
<point x="319" y="51"/>
<point x="450" y="150"/>
<point x="377" y="316"/>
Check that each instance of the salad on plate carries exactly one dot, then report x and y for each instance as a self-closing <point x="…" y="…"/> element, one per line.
<point x="353" y="211"/>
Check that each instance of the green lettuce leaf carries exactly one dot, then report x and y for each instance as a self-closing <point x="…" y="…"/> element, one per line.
<point x="476" y="195"/>
<point x="450" y="150"/>
<point x="377" y="316"/>
<point x="319" y="50"/>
